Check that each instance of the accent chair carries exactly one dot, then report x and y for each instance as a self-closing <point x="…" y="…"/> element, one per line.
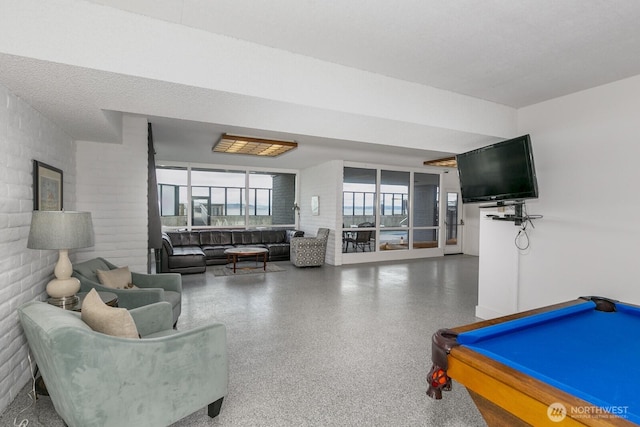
<point x="150" y="288"/>
<point x="309" y="251"/>
<point x="100" y="380"/>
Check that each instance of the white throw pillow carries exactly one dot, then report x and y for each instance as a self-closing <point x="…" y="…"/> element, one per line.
<point x="112" y="321"/>
<point x="119" y="278"/>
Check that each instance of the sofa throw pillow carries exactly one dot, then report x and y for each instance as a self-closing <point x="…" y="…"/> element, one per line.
<point x="112" y="321"/>
<point x="119" y="278"/>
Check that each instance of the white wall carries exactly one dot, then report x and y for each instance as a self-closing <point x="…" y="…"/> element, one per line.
<point x="25" y="135"/>
<point x="498" y="268"/>
<point x="112" y="185"/>
<point x="586" y="148"/>
<point x="324" y="181"/>
<point x="109" y="180"/>
<point x="587" y="153"/>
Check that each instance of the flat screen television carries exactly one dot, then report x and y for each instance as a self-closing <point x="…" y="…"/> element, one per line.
<point x="499" y="172"/>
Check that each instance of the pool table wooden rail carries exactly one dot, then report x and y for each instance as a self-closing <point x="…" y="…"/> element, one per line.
<point x="507" y="397"/>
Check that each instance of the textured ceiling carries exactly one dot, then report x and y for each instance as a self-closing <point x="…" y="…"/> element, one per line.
<point x="514" y="53"/>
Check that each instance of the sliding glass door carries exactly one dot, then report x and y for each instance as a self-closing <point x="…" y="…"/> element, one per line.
<point x="389" y="210"/>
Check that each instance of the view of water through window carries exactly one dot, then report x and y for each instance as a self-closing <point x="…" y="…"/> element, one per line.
<point x="221" y="198"/>
<point x="388" y="216"/>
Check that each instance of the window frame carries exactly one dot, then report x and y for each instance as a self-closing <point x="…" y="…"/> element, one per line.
<point x="244" y="191"/>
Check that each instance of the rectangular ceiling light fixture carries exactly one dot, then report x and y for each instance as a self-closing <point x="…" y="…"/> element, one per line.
<point x="449" y="162"/>
<point x="235" y="144"/>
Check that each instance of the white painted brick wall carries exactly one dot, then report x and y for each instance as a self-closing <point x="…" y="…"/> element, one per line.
<point x="324" y="181"/>
<point x="112" y="185"/>
<point x="25" y="135"/>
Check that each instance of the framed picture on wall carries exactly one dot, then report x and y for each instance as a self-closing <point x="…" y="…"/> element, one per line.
<point x="315" y="205"/>
<point x="47" y="187"/>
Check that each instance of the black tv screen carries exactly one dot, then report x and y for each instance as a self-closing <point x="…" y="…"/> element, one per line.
<point x="498" y="172"/>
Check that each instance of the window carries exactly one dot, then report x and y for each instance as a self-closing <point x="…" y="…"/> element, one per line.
<point x="222" y="198"/>
<point x="358" y="196"/>
<point x="394" y="210"/>
<point x="358" y="209"/>
<point x="426" y="189"/>
<point x="408" y="207"/>
<point x="172" y="196"/>
<point x="271" y="198"/>
<point x="452" y="219"/>
<point x="218" y="198"/>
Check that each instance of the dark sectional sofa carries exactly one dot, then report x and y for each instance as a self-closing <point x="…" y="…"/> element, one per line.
<point x="192" y="251"/>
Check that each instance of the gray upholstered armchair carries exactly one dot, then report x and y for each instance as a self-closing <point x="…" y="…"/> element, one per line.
<point x="95" y="379"/>
<point x="152" y="287"/>
<point x="309" y="251"/>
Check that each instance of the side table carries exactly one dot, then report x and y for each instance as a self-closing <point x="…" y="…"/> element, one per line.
<point x="108" y="298"/>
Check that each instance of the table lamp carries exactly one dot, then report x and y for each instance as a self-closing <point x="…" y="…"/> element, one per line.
<point x="61" y="230"/>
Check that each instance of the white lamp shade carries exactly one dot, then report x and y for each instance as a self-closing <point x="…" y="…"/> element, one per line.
<point x="60" y="230"/>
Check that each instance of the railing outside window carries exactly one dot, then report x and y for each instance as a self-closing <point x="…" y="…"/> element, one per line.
<point x="407" y="204"/>
<point x="258" y="199"/>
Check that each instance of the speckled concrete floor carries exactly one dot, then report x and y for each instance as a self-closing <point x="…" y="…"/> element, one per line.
<point x="329" y="346"/>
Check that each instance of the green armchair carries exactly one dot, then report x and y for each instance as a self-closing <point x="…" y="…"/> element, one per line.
<point x="152" y="287"/>
<point x="95" y="379"/>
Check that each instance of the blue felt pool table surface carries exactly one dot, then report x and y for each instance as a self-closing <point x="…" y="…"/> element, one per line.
<point x="593" y="355"/>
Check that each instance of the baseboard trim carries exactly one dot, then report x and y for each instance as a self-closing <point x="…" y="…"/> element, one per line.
<point x="488" y="313"/>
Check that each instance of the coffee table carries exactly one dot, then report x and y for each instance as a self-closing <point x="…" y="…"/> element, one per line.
<point x="234" y="253"/>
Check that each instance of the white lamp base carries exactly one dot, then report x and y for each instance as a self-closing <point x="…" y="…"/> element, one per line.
<point x="60" y="288"/>
<point x="63" y="285"/>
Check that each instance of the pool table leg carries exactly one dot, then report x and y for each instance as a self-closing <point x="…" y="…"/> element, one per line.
<point x="493" y="414"/>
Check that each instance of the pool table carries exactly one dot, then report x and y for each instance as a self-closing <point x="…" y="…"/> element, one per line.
<point x="573" y="363"/>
